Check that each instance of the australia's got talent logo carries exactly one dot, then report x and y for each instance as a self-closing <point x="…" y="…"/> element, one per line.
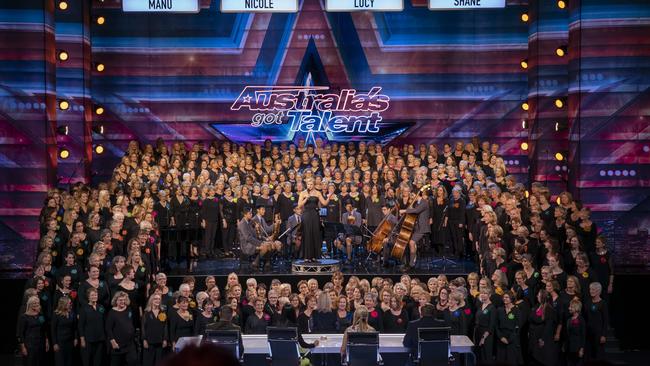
<point x="312" y="109"/>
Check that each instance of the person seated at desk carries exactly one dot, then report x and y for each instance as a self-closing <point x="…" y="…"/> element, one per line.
<point x="427" y="320"/>
<point x="225" y="323"/>
<point x="352" y="222"/>
<point x="359" y="324"/>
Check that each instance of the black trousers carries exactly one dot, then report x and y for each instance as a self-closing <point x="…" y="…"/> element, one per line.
<point x="126" y="356"/>
<point x="65" y="354"/>
<point x="228" y="236"/>
<point x="35" y="354"/>
<point x="208" y="238"/>
<point x="457" y="238"/>
<point x="93" y="354"/>
<point x="153" y="355"/>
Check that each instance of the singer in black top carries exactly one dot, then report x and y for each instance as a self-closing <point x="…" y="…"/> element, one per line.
<point x="209" y="213"/>
<point x="181" y="321"/>
<point x="31" y="333"/>
<point x="439" y="219"/>
<point x="229" y="215"/>
<point x="120" y="332"/>
<point x="155" y="332"/>
<point x="311" y="235"/>
<point x="64" y="332"/>
<point x="456" y="221"/>
<point x="91" y="330"/>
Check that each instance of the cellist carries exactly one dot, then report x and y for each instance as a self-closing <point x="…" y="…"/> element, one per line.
<point x="388" y="216"/>
<point x="422" y="226"/>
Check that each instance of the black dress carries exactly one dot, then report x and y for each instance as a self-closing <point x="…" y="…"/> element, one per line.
<point x="508" y="326"/>
<point x="542" y="327"/>
<point x="485" y="322"/>
<point x="438" y="232"/>
<point x="311" y="235"/>
<point x="395" y="323"/>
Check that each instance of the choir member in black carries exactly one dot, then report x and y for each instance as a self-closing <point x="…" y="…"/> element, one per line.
<point x="455" y="315"/>
<point x="305" y="321"/>
<point x="334" y="207"/>
<point x="229" y="216"/>
<point x="91" y="329"/>
<point x="257" y="322"/>
<point x="162" y="215"/>
<point x="457" y="221"/>
<point x="439" y="209"/>
<point x="64" y="332"/>
<point x="324" y="318"/>
<point x="587" y="230"/>
<point x="194" y="232"/>
<point x="484" y="330"/>
<point x="601" y="262"/>
<point x="121" y="332"/>
<point x="155" y="332"/>
<point x="179" y="222"/>
<point x="597" y="318"/>
<point x="209" y="213"/>
<point x="312" y="238"/>
<point x="181" y="321"/>
<point x="541" y="332"/>
<point x="63" y="289"/>
<point x="71" y="268"/>
<point x="395" y="319"/>
<point x="560" y="307"/>
<point x="509" y="320"/>
<point x="422" y="226"/>
<point x="285" y="202"/>
<point x="375" y="315"/>
<point x="31" y="334"/>
<point x="584" y="273"/>
<point x="204" y="317"/>
<point x="343" y="314"/>
<point x="576" y="334"/>
<point x="93" y="281"/>
<point x="130" y="288"/>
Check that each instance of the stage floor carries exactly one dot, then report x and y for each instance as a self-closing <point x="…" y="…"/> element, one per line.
<point x="222" y="267"/>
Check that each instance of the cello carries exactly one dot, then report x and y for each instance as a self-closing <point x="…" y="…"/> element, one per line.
<point x="407" y="223"/>
<point x="383" y="230"/>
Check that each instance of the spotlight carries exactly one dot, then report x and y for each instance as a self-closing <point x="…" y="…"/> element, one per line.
<point x="524" y="17"/>
<point x="558" y="200"/>
<point x="559" y="103"/>
<point x="524" y="63"/>
<point x="64" y="105"/>
<point x="527" y="193"/>
<point x="557" y="126"/>
<point x="64" y="153"/>
<point x="561" y="4"/>
<point x="524" y="124"/>
<point x="99" y="111"/>
<point x="63" y="5"/>
<point x="98" y="129"/>
<point x="63" y="55"/>
<point x="559" y="156"/>
<point x="561" y="51"/>
<point x="524" y="146"/>
<point x="101" y="20"/>
<point x="525" y="106"/>
<point x="62" y="130"/>
<point x="100" y="67"/>
<point x="99" y="149"/>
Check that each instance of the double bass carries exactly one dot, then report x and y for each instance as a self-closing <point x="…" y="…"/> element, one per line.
<point x="407" y="223"/>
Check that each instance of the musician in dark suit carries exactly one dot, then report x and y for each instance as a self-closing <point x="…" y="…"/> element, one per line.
<point x="293" y="223"/>
<point x="422" y="225"/>
<point x="225" y="323"/>
<point x="264" y="232"/>
<point x="351" y="218"/>
<point x="427" y="320"/>
<point x="248" y="240"/>
<point x="388" y="216"/>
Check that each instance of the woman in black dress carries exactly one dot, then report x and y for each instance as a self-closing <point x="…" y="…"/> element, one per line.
<point x="181" y="321"/>
<point x="507" y="332"/>
<point x="91" y="329"/>
<point x="257" y="322"/>
<point x="63" y="332"/>
<point x="325" y="320"/>
<point x="597" y="318"/>
<point x="31" y="333"/>
<point x="179" y="211"/>
<point x="311" y="235"/>
<point x="439" y="219"/>
<point x="486" y="318"/>
<point x="343" y="314"/>
<point x="121" y="332"/>
<point x="541" y="331"/>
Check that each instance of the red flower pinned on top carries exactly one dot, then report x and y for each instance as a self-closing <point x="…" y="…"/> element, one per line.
<point x="147" y="250"/>
<point x="603" y="260"/>
<point x="539" y="312"/>
<point x="216" y="199"/>
<point x="453" y="183"/>
<point x="151" y="240"/>
<point x="109" y="246"/>
<point x="154" y="214"/>
<point x="468" y="311"/>
<point x="575" y="322"/>
<point x="73" y="294"/>
<point x="123" y="232"/>
<point x="267" y="317"/>
<point x="399" y="321"/>
<point x="504" y="269"/>
<point x="244" y="302"/>
<point x="46" y="283"/>
<point x="498" y="244"/>
<point x="374" y="314"/>
<point x="200" y="203"/>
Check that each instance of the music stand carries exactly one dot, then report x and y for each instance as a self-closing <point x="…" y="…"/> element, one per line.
<point x="330" y="233"/>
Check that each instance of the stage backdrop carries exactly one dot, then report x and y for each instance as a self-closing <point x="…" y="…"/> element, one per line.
<point x="450" y="75"/>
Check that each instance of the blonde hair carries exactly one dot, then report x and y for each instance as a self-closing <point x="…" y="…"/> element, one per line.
<point x="324" y="302"/>
<point x="575" y="305"/>
<point x="360" y="320"/>
<point x="31" y="301"/>
<point x="150" y="301"/>
<point x="118" y="295"/>
<point x="62" y="306"/>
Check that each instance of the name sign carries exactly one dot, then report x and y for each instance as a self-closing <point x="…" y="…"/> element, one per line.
<point x="259" y="6"/>
<point x="314" y="109"/>
<point x="161" y="6"/>
<point x="465" y="4"/>
<point x="364" y="5"/>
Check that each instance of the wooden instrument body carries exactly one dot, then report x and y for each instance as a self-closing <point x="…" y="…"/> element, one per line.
<point x="383" y="231"/>
<point x="404" y="236"/>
